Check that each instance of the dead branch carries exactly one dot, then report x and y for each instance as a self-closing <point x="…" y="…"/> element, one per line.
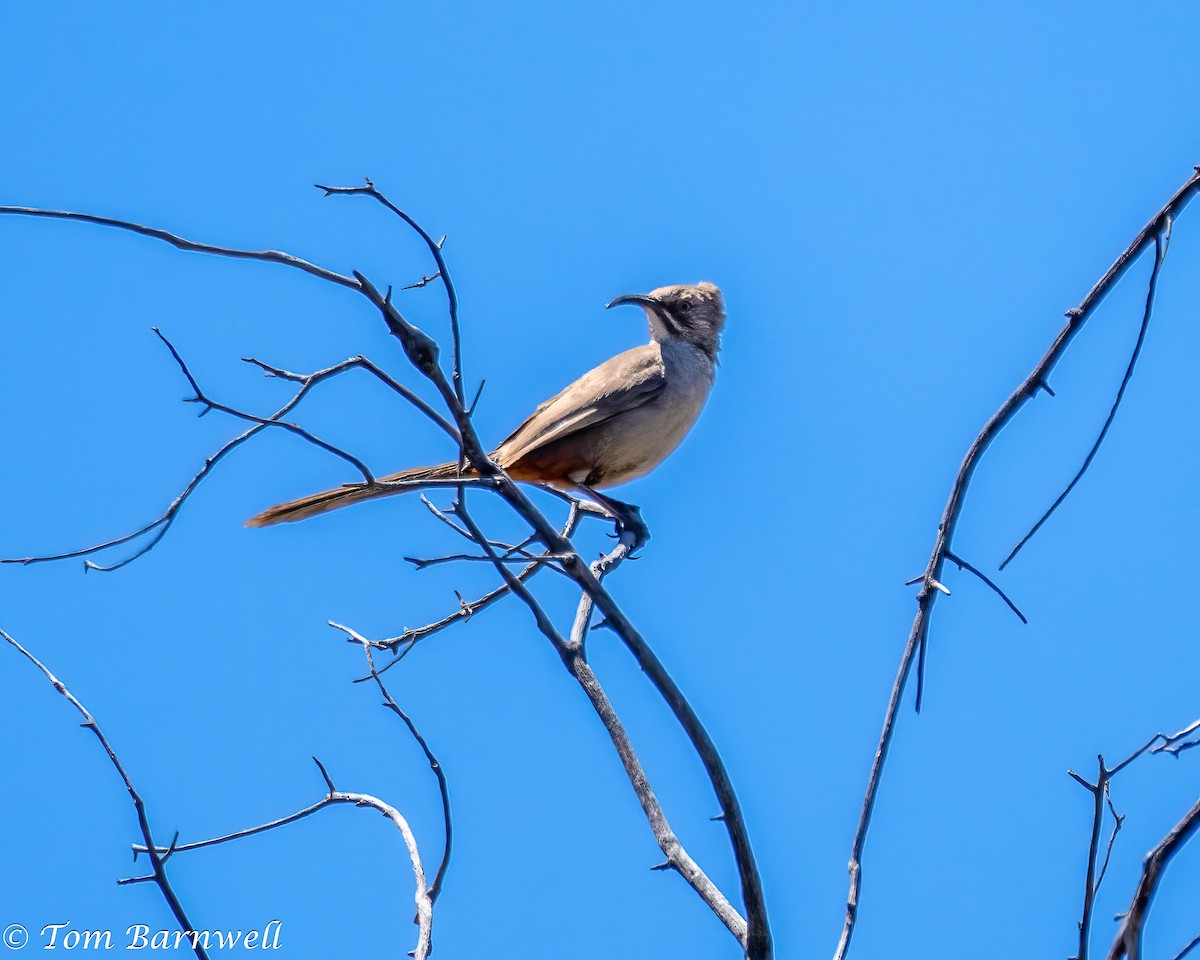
<point x="1101" y="792"/>
<point x="930" y="579"/>
<point x="267" y="256"/>
<point x="442" y="273"/>
<point x="422" y="351"/>
<point x="1129" y="937"/>
<point x="158" y="855"/>
<point x="1162" y="241"/>
<point x="162" y="524"/>
<point x="443" y="787"/>
<point x="424" y="900"/>
<point x="575" y="661"/>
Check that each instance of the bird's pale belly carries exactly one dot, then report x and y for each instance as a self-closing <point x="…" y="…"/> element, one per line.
<point x="616" y="451"/>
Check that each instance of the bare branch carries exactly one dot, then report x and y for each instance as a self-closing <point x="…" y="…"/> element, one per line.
<point x="363" y="363"/>
<point x="422" y="352"/>
<point x="443" y="272"/>
<point x="963" y="565"/>
<point x="1177" y="743"/>
<point x="575" y="661"/>
<point x="158" y="856"/>
<point x="466" y="608"/>
<point x="545" y="559"/>
<point x="163" y="522"/>
<point x="1118" y="822"/>
<point x="600" y="569"/>
<point x="443" y="786"/>
<point x="269" y="256"/>
<point x="1100" y="796"/>
<point x="209" y="404"/>
<point x="1129" y="936"/>
<point x="928" y="592"/>
<point x="1161" y="242"/>
<point x="422" y="898"/>
<point x="423" y="282"/>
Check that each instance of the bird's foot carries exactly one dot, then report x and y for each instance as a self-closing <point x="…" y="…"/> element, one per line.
<point x="626" y="517"/>
<point x="629" y="522"/>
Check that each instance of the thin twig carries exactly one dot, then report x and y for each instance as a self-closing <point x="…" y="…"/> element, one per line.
<point x="334" y="797"/>
<point x="379" y="373"/>
<point x="162" y="524"/>
<point x="963" y="565"/>
<point x="545" y="559"/>
<point x="209" y="404"/>
<point x="1118" y="822"/>
<point x="928" y="592"/>
<point x="1177" y="743"/>
<point x="600" y="569"/>
<point x="435" y="888"/>
<point x="466" y="608"/>
<point x="423" y="282"/>
<point x="443" y="272"/>
<point x="1161" y="243"/>
<point x="269" y="256"/>
<point x="158" y="856"/>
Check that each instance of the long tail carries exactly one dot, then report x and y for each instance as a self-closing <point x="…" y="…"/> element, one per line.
<point x="328" y="500"/>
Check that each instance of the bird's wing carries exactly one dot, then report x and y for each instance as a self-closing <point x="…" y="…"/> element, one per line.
<point x="624" y="383"/>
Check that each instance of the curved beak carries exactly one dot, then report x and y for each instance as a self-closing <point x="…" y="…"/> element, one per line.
<point x="641" y="299"/>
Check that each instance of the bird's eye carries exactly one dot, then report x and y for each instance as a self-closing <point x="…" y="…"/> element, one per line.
<point x="685" y="305"/>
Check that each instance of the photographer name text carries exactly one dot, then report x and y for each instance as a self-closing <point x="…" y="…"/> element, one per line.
<point x="139" y="936"/>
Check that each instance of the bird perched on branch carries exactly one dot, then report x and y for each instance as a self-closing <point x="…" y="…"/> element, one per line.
<point x="614" y="424"/>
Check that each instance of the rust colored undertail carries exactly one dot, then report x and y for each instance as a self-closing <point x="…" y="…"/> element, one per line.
<point x="339" y="497"/>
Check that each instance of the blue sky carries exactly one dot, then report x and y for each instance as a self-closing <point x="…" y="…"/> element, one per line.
<point x="899" y="203"/>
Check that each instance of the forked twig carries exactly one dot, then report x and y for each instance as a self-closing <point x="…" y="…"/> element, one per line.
<point x="931" y="578"/>
<point x="1162" y="240"/>
<point x="443" y="272"/>
<point x="333" y="797"/>
<point x="158" y="855"/>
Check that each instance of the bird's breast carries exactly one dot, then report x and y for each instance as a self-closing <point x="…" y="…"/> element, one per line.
<point x="632" y="445"/>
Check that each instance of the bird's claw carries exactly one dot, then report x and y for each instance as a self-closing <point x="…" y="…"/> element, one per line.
<point x="629" y="522"/>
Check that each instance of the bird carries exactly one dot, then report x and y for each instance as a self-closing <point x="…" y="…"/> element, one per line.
<point x="614" y="424"/>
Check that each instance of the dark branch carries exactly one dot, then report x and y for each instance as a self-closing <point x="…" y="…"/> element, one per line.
<point x="375" y="370"/>
<point x="435" y="888"/>
<point x="927" y="595"/>
<point x="466" y="608"/>
<point x="963" y="565"/>
<point x="158" y="856"/>
<point x="575" y="661"/>
<point x="443" y="272"/>
<point x="1162" y="241"/>
<point x="209" y="404"/>
<point x="269" y="256"/>
<point x="1129" y="935"/>
<point x="1100" y="794"/>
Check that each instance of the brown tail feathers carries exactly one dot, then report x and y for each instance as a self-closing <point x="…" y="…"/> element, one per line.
<point x="328" y="500"/>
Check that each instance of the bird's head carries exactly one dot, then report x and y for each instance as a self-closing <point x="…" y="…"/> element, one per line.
<point x="693" y="312"/>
